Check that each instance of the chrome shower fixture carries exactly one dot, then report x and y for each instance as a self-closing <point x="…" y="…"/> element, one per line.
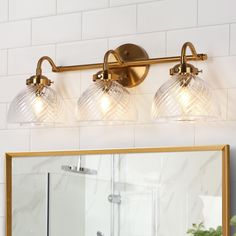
<point x="114" y="198"/>
<point x="79" y="169"/>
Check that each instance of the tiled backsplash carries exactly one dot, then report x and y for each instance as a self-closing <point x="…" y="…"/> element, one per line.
<point x="80" y="31"/>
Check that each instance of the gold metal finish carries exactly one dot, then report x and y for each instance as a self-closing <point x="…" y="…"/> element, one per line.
<point x="38" y="80"/>
<point x="40" y="62"/>
<point x="185" y="68"/>
<point x="226" y="190"/>
<point x="225" y="173"/>
<point x="131" y="76"/>
<point x="106" y="73"/>
<point x="131" y="66"/>
<point x="8" y="187"/>
<point x="113" y="65"/>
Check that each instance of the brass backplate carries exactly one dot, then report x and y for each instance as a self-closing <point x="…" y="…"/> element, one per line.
<point x="134" y="75"/>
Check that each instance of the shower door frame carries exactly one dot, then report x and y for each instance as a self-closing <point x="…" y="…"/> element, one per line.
<point x="225" y="149"/>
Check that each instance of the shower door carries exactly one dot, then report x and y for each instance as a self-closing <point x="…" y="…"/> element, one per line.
<point x="78" y="202"/>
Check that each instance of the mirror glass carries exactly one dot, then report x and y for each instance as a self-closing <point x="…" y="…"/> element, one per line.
<point x="133" y="194"/>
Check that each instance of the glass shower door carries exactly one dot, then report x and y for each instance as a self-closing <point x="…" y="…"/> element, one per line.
<point x="137" y="183"/>
<point x="78" y="201"/>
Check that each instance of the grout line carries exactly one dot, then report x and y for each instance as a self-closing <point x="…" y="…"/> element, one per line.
<point x="229" y="39"/>
<point x="194" y="134"/>
<point x="98" y="9"/>
<point x="55" y="54"/>
<point x="136" y="124"/>
<point x="197" y="11"/>
<point x="112" y="36"/>
<point x="108" y="44"/>
<point x="31" y="32"/>
<point x="136" y="18"/>
<point x="78" y="137"/>
<point x="227" y="105"/>
<point x="65" y="13"/>
<point x="150" y="32"/>
<point x="8" y="10"/>
<point x="166" y="43"/>
<point x="134" y="136"/>
<point x="30" y="130"/>
<point x="7" y="62"/>
<point x="81" y="26"/>
<point x="56" y="8"/>
<point x="6" y="110"/>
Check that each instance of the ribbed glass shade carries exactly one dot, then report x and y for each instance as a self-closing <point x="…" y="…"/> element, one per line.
<point x="184" y="98"/>
<point x="29" y="108"/>
<point x="102" y="103"/>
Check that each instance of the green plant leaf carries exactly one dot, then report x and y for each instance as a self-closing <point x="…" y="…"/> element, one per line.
<point x="233" y="221"/>
<point x="199" y="230"/>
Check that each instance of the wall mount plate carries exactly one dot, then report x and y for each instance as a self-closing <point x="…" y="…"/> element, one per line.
<point x="133" y="75"/>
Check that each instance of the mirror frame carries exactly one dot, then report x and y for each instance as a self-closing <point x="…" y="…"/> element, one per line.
<point x="225" y="149"/>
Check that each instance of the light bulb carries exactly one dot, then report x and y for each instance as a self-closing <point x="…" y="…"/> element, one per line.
<point x="184" y="98"/>
<point x="38" y="105"/>
<point x="105" y="103"/>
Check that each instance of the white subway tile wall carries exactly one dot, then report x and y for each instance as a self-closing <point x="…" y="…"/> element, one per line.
<point x="15" y="34"/>
<point x="84" y="52"/>
<point x="63" y="139"/>
<point x="23" y="60"/>
<point x="2" y="199"/>
<point x="2" y="226"/>
<point x="3" y="10"/>
<point x="166" y="15"/>
<point x="65" y="6"/>
<point x="233" y="39"/>
<point x="31" y="8"/>
<point x="156" y="48"/>
<point x="109" y="22"/>
<point x="221" y="11"/>
<point x="3" y="62"/>
<point x="214" y="40"/>
<point x="3" y="110"/>
<point x="56" y="29"/>
<point x="80" y="31"/>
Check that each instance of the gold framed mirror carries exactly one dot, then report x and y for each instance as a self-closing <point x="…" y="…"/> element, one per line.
<point x="141" y="191"/>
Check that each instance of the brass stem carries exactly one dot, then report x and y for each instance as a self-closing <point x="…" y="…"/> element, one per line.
<point x="106" y="57"/>
<point x="184" y="49"/>
<point x="39" y="65"/>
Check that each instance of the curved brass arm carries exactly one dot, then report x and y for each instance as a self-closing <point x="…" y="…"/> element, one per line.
<point x="106" y="57"/>
<point x="184" y="49"/>
<point x="39" y="65"/>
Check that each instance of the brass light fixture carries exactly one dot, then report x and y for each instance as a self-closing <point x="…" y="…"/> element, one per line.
<point x="185" y="96"/>
<point x="38" y="103"/>
<point x="107" y="99"/>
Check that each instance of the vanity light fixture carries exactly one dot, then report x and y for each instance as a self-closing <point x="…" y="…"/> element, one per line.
<point x="184" y="97"/>
<point x="106" y="99"/>
<point x="38" y="103"/>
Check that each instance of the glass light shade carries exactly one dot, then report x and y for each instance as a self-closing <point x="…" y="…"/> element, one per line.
<point x="184" y="98"/>
<point x="102" y="103"/>
<point x="30" y="108"/>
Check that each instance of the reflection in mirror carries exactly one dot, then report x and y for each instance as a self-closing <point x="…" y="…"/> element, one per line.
<point x="126" y="194"/>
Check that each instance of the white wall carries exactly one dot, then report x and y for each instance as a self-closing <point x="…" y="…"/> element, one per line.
<point x="80" y="31"/>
